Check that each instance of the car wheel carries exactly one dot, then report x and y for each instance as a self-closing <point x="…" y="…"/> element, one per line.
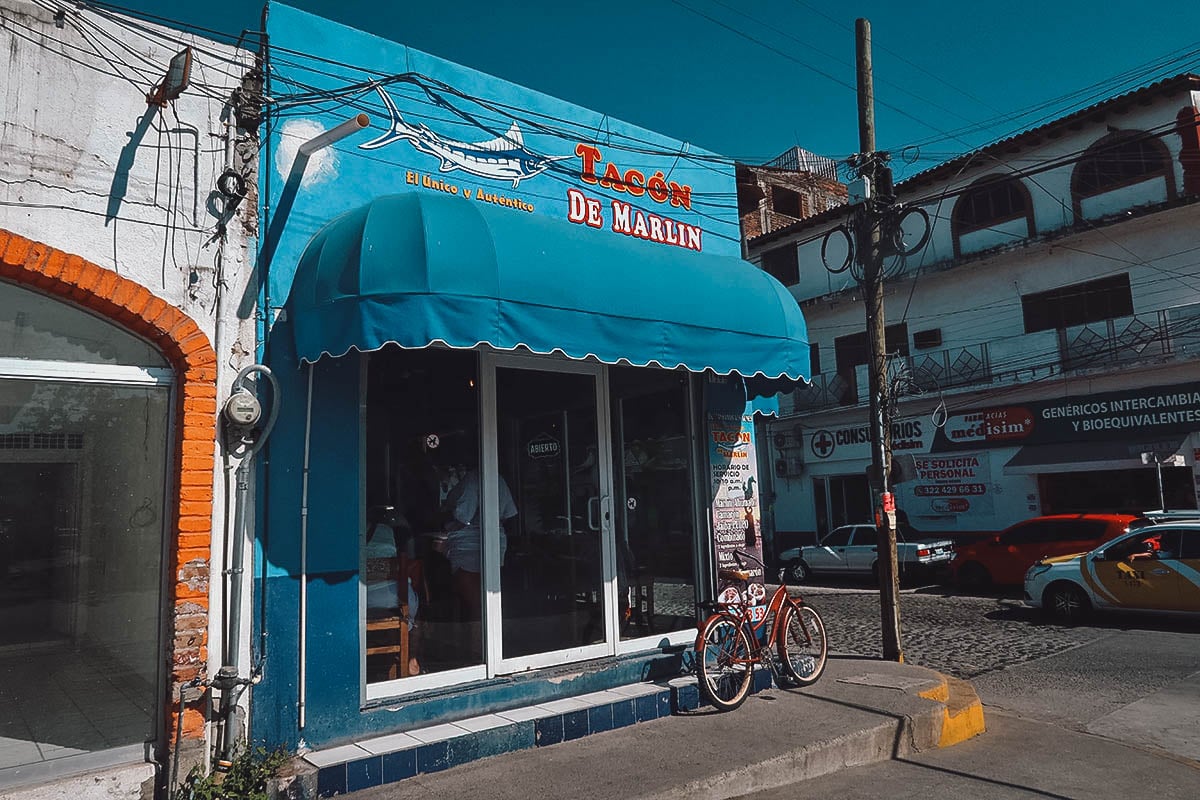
<point x="1066" y="603"/>
<point x="794" y="572"/>
<point x="974" y="576"/>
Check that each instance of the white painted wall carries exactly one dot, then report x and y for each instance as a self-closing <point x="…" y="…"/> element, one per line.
<point x="977" y="299"/>
<point x="74" y="117"/>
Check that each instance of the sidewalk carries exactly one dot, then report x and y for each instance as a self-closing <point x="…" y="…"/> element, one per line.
<point x="860" y="712"/>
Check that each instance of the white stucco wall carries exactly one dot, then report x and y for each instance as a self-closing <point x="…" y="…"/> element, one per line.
<point x="976" y="301"/>
<point x="89" y="168"/>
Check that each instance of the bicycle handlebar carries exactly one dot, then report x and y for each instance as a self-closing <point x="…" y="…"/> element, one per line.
<point x="738" y="555"/>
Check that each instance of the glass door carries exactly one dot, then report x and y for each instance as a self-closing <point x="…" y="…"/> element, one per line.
<point x="547" y="485"/>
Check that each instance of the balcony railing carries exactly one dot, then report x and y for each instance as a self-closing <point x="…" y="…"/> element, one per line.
<point x="1169" y="334"/>
<point x="826" y="390"/>
<point x="943" y="369"/>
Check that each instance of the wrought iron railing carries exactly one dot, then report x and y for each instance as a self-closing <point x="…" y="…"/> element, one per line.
<point x="1169" y="334"/>
<point x="956" y="366"/>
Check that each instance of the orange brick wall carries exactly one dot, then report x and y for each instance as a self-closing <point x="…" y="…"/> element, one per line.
<point x="187" y="348"/>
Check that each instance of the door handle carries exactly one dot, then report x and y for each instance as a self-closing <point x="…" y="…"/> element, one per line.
<point x="593" y="512"/>
<point x="1161" y="572"/>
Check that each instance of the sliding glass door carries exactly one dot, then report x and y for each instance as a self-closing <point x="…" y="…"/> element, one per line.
<point x="551" y="577"/>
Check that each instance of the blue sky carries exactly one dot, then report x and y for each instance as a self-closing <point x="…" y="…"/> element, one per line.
<point x="750" y="80"/>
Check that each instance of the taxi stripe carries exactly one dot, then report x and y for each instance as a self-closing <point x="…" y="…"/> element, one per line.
<point x="1093" y="582"/>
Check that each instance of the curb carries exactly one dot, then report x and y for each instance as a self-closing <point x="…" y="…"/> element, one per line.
<point x="878" y="712"/>
<point x="954" y="715"/>
<point x="962" y="712"/>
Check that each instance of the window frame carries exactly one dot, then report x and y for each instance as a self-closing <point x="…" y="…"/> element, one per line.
<point x="782" y="268"/>
<point x="1069" y="297"/>
<point x="1110" y="145"/>
<point x="978" y="188"/>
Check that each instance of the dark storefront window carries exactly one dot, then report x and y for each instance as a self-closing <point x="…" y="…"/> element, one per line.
<point x="83" y="463"/>
<point x="1125" y="491"/>
<point x="421" y="546"/>
<point x="589" y="486"/>
<point x="82" y="471"/>
<point x="654" y="501"/>
<point x="841" y="500"/>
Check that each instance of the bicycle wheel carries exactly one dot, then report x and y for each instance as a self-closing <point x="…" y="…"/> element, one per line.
<point x="723" y="661"/>
<point x="801" y="644"/>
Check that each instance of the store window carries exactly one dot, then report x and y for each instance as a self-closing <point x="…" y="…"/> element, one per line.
<point x="656" y="531"/>
<point x="421" y="562"/>
<point x="34" y="326"/>
<point x="841" y="500"/>
<point x="85" y="413"/>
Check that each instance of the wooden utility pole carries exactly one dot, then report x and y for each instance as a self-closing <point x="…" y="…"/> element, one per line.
<point x="871" y="256"/>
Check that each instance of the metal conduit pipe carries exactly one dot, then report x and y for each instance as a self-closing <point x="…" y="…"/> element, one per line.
<point x="303" y="632"/>
<point x="228" y="678"/>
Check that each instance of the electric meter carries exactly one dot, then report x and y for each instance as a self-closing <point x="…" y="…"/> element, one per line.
<point x="242" y="408"/>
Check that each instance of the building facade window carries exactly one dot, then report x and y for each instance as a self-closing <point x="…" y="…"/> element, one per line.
<point x="787" y="201"/>
<point x="783" y="264"/>
<point x="993" y="203"/>
<point x="428" y="616"/>
<point x="1119" y="160"/>
<point x="1078" y="304"/>
<point x="85" y="418"/>
<point x="853" y="351"/>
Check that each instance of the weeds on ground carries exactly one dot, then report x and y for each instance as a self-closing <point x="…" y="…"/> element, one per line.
<point x="246" y="778"/>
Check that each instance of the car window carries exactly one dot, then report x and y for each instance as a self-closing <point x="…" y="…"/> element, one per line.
<point x="840" y="537"/>
<point x="1189" y="544"/>
<point x="1024" y="533"/>
<point x="865" y="536"/>
<point x="1148" y="541"/>
<point x="1168" y="544"/>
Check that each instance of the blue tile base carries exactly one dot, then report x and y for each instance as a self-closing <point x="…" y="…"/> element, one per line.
<point x="375" y="770"/>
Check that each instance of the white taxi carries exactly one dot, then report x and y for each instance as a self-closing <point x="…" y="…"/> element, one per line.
<point x="1154" y="568"/>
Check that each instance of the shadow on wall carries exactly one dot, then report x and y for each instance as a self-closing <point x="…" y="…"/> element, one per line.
<point x="120" y="181"/>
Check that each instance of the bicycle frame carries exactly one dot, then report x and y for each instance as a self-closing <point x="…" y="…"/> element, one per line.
<point x="744" y="612"/>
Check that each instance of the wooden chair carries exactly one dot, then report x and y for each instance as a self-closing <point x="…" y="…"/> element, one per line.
<point x="388" y="630"/>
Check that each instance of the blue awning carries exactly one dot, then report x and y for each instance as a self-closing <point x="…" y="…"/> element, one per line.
<point x="419" y="268"/>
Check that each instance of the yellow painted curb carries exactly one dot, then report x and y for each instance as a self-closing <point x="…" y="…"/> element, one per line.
<point x="962" y="716"/>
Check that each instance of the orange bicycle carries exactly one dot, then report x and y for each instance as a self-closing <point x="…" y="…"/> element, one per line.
<point x="786" y="634"/>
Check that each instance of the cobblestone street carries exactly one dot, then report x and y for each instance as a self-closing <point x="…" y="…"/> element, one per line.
<point x="962" y="636"/>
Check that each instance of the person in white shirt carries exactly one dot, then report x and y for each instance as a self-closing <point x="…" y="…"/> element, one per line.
<point x="464" y="542"/>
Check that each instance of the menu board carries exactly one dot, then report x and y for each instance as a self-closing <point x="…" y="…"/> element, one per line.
<point x="733" y="467"/>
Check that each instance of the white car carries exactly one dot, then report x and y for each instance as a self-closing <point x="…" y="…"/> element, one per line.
<point x="1152" y="568"/>
<point x="853" y="550"/>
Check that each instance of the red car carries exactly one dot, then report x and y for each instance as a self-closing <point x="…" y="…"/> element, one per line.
<point x="1004" y="558"/>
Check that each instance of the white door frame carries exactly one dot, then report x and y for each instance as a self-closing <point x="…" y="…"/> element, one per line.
<point x="490" y="522"/>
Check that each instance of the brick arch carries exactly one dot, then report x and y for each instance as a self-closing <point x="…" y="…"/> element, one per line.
<point x="186" y="347"/>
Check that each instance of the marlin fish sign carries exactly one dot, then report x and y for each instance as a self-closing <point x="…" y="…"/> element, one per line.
<point x="503" y="158"/>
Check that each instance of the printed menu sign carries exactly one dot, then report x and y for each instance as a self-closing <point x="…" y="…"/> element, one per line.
<point x="733" y="465"/>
